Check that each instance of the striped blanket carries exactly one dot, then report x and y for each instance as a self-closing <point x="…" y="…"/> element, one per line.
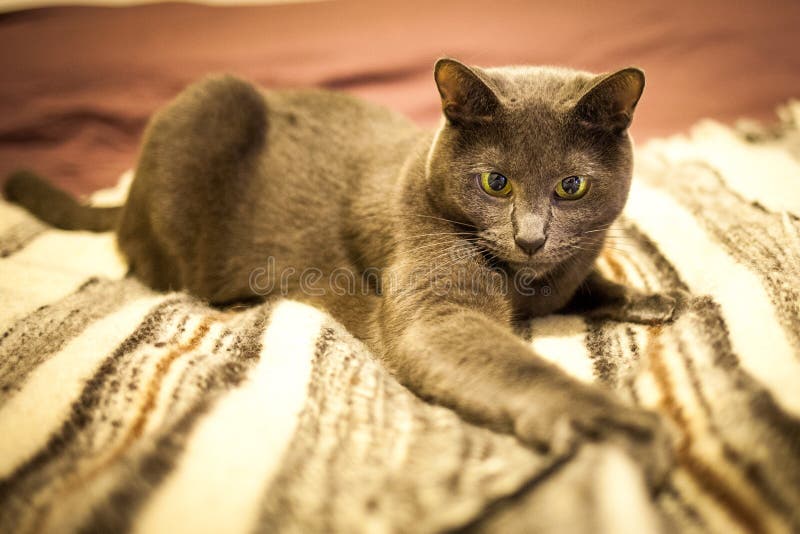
<point x="126" y="409"/>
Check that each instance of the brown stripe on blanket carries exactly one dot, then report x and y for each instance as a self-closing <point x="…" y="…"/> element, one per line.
<point x="17" y="489"/>
<point x="617" y="272"/>
<point x="148" y="466"/>
<point x="77" y="486"/>
<point x="776" y="475"/>
<point x="753" y="471"/>
<point x="737" y="506"/>
<point x="150" y="393"/>
<point x="602" y="341"/>
<point x="189" y="373"/>
<point x="608" y="341"/>
<point x="32" y="340"/>
<point x="119" y="397"/>
<point x="706" y="318"/>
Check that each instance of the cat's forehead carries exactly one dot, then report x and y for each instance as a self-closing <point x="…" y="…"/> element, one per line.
<point x="537" y="85"/>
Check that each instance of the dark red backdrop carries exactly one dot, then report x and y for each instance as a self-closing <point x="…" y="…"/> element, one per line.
<point x="79" y="83"/>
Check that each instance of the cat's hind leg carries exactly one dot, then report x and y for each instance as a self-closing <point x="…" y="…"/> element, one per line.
<point x="186" y="222"/>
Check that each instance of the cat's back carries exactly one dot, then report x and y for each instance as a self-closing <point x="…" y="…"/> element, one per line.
<point x="232" y="174"/>
<point x="224" y="116"/>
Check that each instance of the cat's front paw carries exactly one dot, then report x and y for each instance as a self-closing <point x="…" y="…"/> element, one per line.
<point x="573" y="413"/>
<point x="654" y="308"/>
<point x="644" y="308"/>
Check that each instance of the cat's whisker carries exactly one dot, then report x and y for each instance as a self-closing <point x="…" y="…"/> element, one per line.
<point x="578" y="247"/>
<point x="607" y="233"/>
<point x="444" y="241"/>
<point x="433" y="260"/>
<point x="447" y="243"/>
<point x="438" y="233"/>
<point x="607" y="239"/>
<point x="447" y="250"/>
<point x="406" y="239"/>
<point x="606" y="229"/>
<point x="440" y="255"/>
<point x="611" y="231"/>
<point x="609" y="244"/>
<point x="456" y="260"/>
<point x="610" y="226"/>
<point x="403" y="239"/>
<point x="443" y="219"/>
<point x="440" y="243"/>
<point x="443" y="238"/>
<point x="619" y="246"/>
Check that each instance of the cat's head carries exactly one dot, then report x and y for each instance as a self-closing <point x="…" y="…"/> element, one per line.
<point x="536" y="159"/>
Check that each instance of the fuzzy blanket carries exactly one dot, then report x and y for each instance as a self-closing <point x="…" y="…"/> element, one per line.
<point x="125" y="409"/>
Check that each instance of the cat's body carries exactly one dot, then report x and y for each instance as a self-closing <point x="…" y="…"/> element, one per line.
<point x="300" y="178"/>
<point x="241" y="192"/>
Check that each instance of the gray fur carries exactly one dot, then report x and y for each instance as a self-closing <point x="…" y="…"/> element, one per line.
<point x="232" y="178"/>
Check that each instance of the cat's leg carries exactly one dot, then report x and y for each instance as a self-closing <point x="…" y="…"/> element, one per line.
<point x="458" y="355"/>
<point x="601" y="298"/>
<point x="186" y="222"/>
<point x="146" y="257"/>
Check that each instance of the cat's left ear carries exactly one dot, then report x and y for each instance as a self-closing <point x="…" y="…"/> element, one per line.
<point x="610" y="102"/>
<point x="466" y="98"/>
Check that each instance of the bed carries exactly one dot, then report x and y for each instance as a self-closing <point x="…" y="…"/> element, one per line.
<point x="124" y="409"/>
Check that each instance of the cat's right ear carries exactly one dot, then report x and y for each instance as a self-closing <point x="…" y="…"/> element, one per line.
<point x="466" y="98"/>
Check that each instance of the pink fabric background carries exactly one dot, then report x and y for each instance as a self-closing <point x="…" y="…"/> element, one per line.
<point x="78" y="84"/>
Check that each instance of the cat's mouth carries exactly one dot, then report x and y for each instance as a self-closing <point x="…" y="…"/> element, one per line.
<point x="498" y="259"/>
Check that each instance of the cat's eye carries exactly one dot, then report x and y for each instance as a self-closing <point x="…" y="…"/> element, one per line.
<point x="495" y="184"/>
<point x="572" y="187"/>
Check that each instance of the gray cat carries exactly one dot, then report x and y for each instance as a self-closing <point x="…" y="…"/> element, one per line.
<point x="430" y="246"/>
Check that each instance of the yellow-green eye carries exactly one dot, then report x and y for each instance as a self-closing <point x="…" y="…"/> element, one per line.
<point x="572" y="187"/>
<point x="495" y="184"/>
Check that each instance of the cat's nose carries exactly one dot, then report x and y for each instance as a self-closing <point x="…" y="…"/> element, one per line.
<point x="529" y="244"/>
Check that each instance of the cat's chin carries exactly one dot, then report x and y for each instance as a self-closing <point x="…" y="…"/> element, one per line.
<point x="532" y="268"/>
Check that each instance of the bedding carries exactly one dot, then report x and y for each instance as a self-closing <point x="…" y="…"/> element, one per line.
<point x="123" y="409"/>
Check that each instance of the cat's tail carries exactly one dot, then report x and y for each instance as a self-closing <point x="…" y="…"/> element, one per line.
<point x="56" y="207"/>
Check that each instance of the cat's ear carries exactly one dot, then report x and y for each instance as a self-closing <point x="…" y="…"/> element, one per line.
<point x="466" y="98"/>
<point x="610" y="102"/>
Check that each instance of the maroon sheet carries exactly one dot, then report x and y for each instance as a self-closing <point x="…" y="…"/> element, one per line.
<point x="79" y="83"/>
